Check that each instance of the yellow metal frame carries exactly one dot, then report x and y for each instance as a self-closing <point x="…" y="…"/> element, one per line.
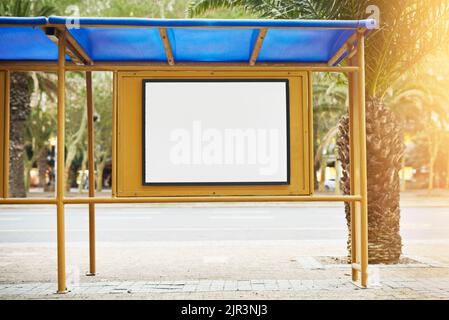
<point x="91" y="160"/>
<point x="3" y="79"/>
<point x="129" y="136"/>
<point x="4" y="133"/>
<point x="60" y="148"/>
<point x="357" y="199"/>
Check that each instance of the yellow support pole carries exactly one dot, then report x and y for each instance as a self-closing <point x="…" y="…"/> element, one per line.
<point x="198" y="199"/>
<point x="5" y="135"/>
<point x="27" y="201"/>
<point x="2" y="128"/>
<point x="357" y="125"/>
<point x="60" y="165"/>
<point x="363" y="168"/>
<point x="114" y="134"/>
<point x="311" y="133"/>
<point x="91" y="160"/>
<point x="354" y="167"/>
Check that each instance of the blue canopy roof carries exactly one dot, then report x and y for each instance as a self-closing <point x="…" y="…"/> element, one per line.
<point x="191" y="40"/>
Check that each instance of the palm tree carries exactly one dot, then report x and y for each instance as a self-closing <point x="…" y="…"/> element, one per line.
<point x="409" y="31"/>
<point x="21" y="89"/>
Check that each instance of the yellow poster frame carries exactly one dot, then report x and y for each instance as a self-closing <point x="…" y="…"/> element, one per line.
<point x="129" y="137"/>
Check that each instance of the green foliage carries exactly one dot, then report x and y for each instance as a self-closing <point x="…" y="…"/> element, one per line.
<point x="40" y="126"/>
<point x="282" y="9"/>
<point x="27" y="8"/>
<point x="133" y="8"/>
<point x="409" y="30"/>
<point x="260" y="8"/>
<point x="329" y="104"/>
<point x="422" y="100"/>
<point x="103" y="111"/>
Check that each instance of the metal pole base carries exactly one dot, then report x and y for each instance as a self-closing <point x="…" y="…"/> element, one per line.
<point x="62" y="292"/>
<point x="359" y="285"/>
<point x="90" y="274"/>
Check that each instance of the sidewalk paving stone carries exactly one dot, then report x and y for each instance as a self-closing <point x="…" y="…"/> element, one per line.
<point x="329" y="288"/>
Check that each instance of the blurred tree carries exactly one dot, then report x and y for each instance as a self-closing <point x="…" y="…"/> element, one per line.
<point x="40" y="126"/>
<point x="329" y="104"/>
<point x="422" y="98"/>
<point x="103" y="124"/>
<point x="76" y="126"/>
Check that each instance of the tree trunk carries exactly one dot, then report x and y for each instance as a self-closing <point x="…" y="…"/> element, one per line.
<point x="72" y="148"/>
<point x="67" y="184"/>
<point x="100" y="169"/>
<point x="20" y="110"/>
<point x="83" y="174"/>
<point x="42" y="167"/>
<point x="26" y="173"/>
<point x="385" y="150"/>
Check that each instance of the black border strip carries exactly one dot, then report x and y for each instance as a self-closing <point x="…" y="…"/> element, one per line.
<point x="287" y="88"/>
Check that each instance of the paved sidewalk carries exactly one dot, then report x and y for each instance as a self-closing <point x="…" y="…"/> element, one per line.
<point x="210" y="268"/>
<point x="221" y="270"/>
<point x="342" y="288"/>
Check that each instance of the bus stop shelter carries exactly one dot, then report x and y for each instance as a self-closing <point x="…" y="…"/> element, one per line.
<point x="138" y="49"/>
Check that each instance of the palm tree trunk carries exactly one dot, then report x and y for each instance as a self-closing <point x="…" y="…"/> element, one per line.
<point x="20" y="110"/>
<point x="385" y="150"/>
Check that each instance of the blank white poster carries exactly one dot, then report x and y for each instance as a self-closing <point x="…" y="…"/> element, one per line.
<point x="215" y="131"/>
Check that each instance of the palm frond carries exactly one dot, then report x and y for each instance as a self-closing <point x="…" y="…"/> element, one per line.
<point x="409" y="30"/>
<point x="27" y="8"/>
<point x="199" y="7"/>
<point x="274" y="9"/>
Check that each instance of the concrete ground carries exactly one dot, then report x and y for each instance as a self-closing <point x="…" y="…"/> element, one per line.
<point x="249" y="251"/>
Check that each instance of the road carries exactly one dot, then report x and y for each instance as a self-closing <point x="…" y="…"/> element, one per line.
<point x="140" y="224"/>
